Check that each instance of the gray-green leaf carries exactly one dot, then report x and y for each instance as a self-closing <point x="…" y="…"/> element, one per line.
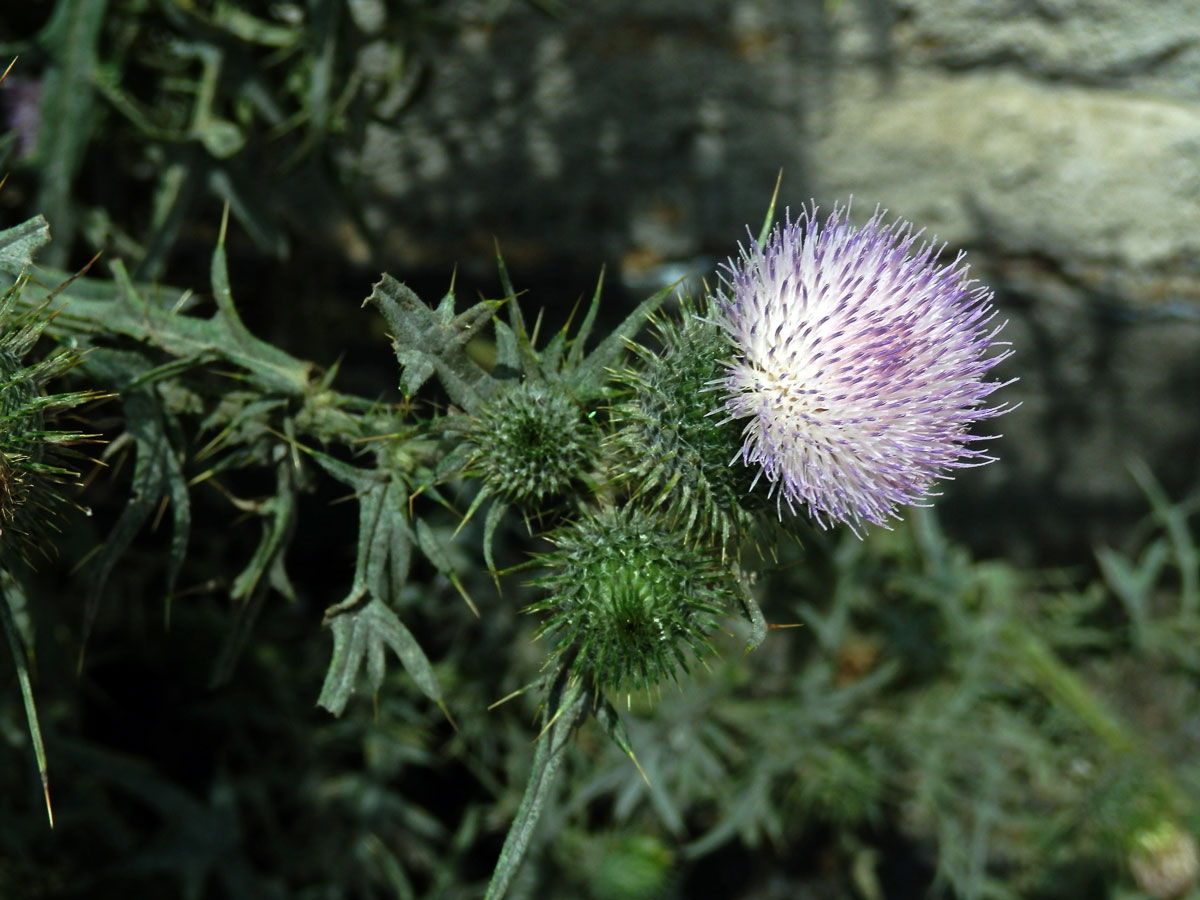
<point x="429" y="341"/>
<point x="360" y="636"/>
<point x="19" y="243"/>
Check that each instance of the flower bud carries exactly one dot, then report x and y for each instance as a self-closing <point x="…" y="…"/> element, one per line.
<point x="675" y="452"/>
<point x="530" y="442"/>
<point x="32" y="457"/>
<point x="630" y="601"/>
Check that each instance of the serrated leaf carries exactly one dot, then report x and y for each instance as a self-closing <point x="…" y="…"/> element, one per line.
<point x="156" y="474"/>
<point x="278" y="512"/>
<point x="508" y="355"/>
<point x="494" y="517"/>
<point x="575" y="356"/>
<point x="361" y="635"/>
<point x="277" y="369"/>
<point x="429" y="341"/>
<point x="437" y="553"/>
<point x="19" y="243"/>
<point x="351" y="476"/>
<point x="370" y="531"/>
<point x="552" y="353"/>
<point x="586" y="380"/>
<point x="279" y="521"/>
<point x="385" y="538"/>
<point x="515" y="319"/>
<point x="607" y="718"/>
<point x="153" y="316"/>
<point x="384" y="541"/>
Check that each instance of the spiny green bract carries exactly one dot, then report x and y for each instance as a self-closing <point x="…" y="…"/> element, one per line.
<point x="530" y="442"/>
<point x="630" y="601"/>
<point x="32" y="458"/>
<point x="675" y="450"/>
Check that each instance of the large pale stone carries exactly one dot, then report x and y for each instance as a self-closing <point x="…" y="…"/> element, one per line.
<point x="1104" y="184"/>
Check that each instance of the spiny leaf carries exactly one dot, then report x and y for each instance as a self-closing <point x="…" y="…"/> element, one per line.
<point x="19" y="243"/>
<point x="587" y="379"/>
<point x="268" y="359"/>
<point x="508" y="355"/>
<point x="119" y="307"/>
<point x="434" y="340"/>
<point x="18" y="656"/>
<point x="278" y="513"/>
<point x="156" y="475"/>
<point x="551" y="355"/>
<point x="491" y="523"/>
<point x="437" y="553"/>
<point x="515" y="319"/>
<point x="384" y="541"/>
<point x="279" y="521"/>
<point x="606" y="716"/>
<point x="361" y="635"/>
<point x="575" y="355"/>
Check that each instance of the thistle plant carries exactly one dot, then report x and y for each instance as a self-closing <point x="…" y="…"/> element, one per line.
<point x="643" y="483"/>
<point x="860" y="365"/>
<point x="836" y="374"/>
<point x="36" y="460"/>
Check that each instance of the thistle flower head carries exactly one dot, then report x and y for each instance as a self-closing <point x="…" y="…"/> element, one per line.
<point x="35" y="461"/>
<point x="629" y="600"/>
<point x="860" y="364"/>
<point x="530" y="442"/>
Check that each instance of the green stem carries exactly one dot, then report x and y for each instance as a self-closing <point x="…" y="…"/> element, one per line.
<point x="566" y="708"/>
<point x="1058" y="682"/>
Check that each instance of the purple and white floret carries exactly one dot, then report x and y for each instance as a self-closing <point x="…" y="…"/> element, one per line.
<point x="860" y="365"/>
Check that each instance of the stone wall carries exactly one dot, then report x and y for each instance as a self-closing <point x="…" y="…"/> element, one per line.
<point x="1058" y="141"/>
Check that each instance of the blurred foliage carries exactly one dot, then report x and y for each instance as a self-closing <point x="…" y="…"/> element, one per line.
<point x="127" y="115"/>
<point x="266" y="549"/>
